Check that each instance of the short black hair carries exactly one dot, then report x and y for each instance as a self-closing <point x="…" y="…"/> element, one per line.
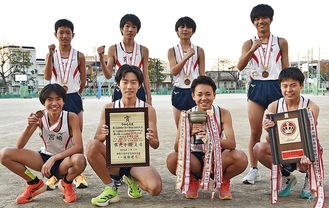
<point x="124" y="69"/>
<point x="185" y="21"/>
<point x="202" y="79"/>
<point x="293" y="73"/>
<point x="261" y="10"/>
<point x="130" y="18"/>
<point x="48" y="89"/>
<point x="64" y="23"/>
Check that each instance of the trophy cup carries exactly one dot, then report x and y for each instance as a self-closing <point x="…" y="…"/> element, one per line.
<point x="197" y="117"/>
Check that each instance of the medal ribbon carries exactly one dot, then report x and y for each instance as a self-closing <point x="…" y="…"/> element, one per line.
<point x="265" y="58"/>
<point x="131" y="61"/>
<point x="52" y="127"/>
<point x="189" y="63"/>
<point x="64" y="71"/>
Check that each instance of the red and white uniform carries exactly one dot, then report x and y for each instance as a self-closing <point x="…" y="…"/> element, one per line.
<point x="55" y="141"/>
<point x="274" y="61"/>
<point x="193" y="68"/>
<point x="73" y="82"/>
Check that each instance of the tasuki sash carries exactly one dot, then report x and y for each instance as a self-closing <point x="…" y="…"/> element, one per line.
<point x="213" y="156"/>
<point x="184" y="154"/>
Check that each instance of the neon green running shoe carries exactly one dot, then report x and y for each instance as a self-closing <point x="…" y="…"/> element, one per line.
<point x="108" y="195"/>
<point x="133" y="191"/>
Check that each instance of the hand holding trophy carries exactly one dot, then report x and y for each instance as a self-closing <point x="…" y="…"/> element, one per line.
<point x="197" y="117"/>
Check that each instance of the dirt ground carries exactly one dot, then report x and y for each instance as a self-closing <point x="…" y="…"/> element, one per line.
<point x="13" y="118"/>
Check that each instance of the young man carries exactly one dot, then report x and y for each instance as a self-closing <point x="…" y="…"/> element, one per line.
<point x="129" y="79"/>
<point x="292" y="82"/>
<point x="187" y="62"/>
<point x="218" y="157"/>
<point x="127" y="52"/>
<point x="267" y="55"/>
<point x="67" y="67"/>
<point x="59" y="129"/>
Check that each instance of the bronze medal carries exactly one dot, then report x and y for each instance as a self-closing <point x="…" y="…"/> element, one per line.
<point x="187" y="81"/>
<point x="39" y="114"/>
<point x="265" y="74"/>
<point x="65" y="88"/>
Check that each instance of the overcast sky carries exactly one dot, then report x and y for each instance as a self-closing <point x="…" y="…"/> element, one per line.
<point x="222" y="27"/>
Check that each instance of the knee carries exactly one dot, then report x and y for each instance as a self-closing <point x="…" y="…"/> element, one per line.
<point x="172" y="162"/>
<point x="4" y="154"/>
<point x="92" y="147"/>
<point x="257" y="150"/>
<point x="242" y="160"/>
<point x="156" y="188"/>
<point x="80" y="161"/>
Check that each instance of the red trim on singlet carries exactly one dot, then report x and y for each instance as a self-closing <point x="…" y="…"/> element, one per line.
<point x="255" y="58"/>
<point x="54" y="72"/>
<point x="278" y="56"/>
<point x="76" y="71"/>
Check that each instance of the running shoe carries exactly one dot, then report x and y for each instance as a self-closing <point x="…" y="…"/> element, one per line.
<point x="133" y="191"/>
<point x="224" y="191"/>
<point x="68" y="190"/>
<point x="52" y="183"/>
<point x="80" y="182"/>
<point x="30" y="192"/>
<point x="192" y="192"/>
<point x="252" y="177"/>
<point x="287" y="183"/>
<point x="306" y="193"/>
<point x="108" y="195"/>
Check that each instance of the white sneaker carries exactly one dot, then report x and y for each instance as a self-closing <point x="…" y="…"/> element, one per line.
<point x="252" y="177"/>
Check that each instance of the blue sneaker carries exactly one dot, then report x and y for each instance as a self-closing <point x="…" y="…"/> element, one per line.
<point x="287" y="183"/>
<point x="306" y="193"/>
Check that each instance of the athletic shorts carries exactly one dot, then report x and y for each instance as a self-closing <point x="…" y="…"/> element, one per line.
<point x="122" y="172"/>
<point x="182" y="98"/>
<point x="54" y="169"/>
<point x="140" y="94"/>
<point x="264" y="92"/>
<point x="73" y="103"/>
<point x="200" y="157"/>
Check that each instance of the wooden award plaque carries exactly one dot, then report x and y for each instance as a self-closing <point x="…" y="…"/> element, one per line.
<point x="126" y="144"/>
<point x="290" y="138"/>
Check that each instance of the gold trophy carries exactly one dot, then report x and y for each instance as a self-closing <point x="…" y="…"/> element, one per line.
<point x="198" y="117"/>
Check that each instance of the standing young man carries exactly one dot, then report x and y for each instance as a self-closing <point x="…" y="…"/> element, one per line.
<point x="267" y="55"/>
<point x="67" y="67"/>
<point x="187" y="62"/>
<point x="127" y="52"/>
<point x="129" y="79"/>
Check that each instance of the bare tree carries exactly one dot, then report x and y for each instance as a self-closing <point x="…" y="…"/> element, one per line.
<point x="13" y="61"/>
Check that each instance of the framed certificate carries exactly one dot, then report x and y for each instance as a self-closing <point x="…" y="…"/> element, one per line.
<point x="126" y="144"/>
<point x="290" y="138"/>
